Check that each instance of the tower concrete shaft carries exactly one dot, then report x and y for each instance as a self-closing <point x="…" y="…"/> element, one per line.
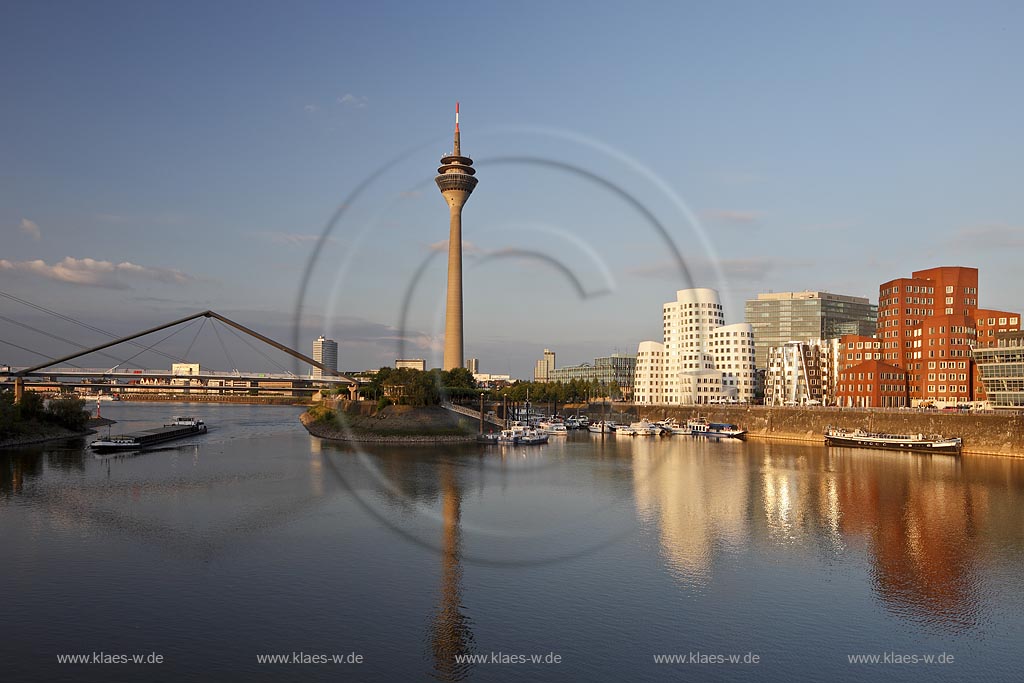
<point x="456" y="182"/>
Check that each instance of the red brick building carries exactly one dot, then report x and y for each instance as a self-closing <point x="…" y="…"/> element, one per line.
<point x="873" y="384"/>
<point x="927" y="325"/>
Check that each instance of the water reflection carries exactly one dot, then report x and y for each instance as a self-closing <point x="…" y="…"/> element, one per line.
<point x="920" y="523"/>
<point x="451" y="635"/>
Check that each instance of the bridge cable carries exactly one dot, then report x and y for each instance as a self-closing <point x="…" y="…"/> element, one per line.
<point x="53" y="336"/>
<point x="224" y="348"/>
<point x="189" y="349"/>
<point x="159" y="341"/>
<point x="79" y="322"/>
<point x="265" y="356"/>
<point x="33" y="351"/>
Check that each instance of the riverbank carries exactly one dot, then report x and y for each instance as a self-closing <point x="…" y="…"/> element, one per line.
<point x="361" y="422"/>
<point x="215" y="398"/>
<point x="982" y="433"/>
<point x="41" y="432"/>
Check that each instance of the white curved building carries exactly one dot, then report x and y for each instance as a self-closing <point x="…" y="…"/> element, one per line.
<point x="702" y="360"/>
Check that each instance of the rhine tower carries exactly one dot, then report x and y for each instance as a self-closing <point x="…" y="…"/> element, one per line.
<point x="456" y="182"/>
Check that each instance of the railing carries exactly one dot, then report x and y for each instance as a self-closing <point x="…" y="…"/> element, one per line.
<point x="475" y="414"/>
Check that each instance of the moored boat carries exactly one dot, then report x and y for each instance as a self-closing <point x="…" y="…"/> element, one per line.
<point x="523" y="435"/>
<point x="645" y="428"/>
<point x="700" y="426"/>
<point x="918" y="443"/>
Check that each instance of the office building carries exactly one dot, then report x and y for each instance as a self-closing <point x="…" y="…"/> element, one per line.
<point x="928" y="325"/>
<point x="473" y="365"/>
<point x="616" y="368"/>
<point x="325" y="351"/>
<point x="411" y="363"/>
<point x="700" y="360"/>
<point x="802" y="373"/>
<point x="1001" y="369"/>
<point x="781" y="317"/>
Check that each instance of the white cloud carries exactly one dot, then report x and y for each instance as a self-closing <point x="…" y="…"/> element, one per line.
<point x="30" y="228"/>
<point x="92" y="273"/>
<point x="354" y="101"/>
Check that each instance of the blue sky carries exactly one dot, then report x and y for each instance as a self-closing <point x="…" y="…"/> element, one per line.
<point x="196" y="153"/>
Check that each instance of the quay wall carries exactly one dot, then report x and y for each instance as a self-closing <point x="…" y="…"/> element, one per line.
<point x="983" y="433"/>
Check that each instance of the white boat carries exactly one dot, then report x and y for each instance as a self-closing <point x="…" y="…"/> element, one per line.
<point x="671" y="426"/>
<point x="645" y="428"/>
<point x="523" y="435"/>
<point x="625" y="430"/>
<point x="556" y="429"/>
<point x="601" y="427"/>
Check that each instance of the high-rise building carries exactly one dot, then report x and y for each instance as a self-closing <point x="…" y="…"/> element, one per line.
<point x="544" y="367"/>
<point x="411" y="363"/>
<point x="929" y="324"/>
<point x="701" y="360"/>
<point x="473" y="365"/>
<point x="325" y="351"/>
<point x="456" y="182"/>
<point x="781" y="317"/>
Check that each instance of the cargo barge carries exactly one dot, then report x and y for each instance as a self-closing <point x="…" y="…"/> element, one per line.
<point x="179" y="428"/>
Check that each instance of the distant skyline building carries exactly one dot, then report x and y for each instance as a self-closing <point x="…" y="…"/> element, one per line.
<point x="701" y="360"/>
<point x="781" y="317"/>
<point x="411" y="363"/>
<point x="543" y="369"/>
<point x="473" y="365"/>
<point x="325" y="351"/>
<point x="456" y="182"/>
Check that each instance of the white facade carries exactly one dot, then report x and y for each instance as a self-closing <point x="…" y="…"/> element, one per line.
<point x="702" y="360"/>
<point x="411" y="363"/>
<point x="325" y="351"/>
<point x="802" y="372"/>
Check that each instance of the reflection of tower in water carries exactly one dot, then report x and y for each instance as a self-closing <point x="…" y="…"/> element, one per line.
<point x="451" y="635"/>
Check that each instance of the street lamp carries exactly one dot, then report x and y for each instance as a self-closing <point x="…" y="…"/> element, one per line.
<point x="481" y="412"/>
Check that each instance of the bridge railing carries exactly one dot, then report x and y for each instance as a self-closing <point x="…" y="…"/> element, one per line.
<point x="475" y="414"/>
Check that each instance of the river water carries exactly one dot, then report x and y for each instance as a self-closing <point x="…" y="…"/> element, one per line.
<point x="258" y="540"/>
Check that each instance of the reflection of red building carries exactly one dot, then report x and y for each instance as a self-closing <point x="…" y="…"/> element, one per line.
<point x="927" y="325"/>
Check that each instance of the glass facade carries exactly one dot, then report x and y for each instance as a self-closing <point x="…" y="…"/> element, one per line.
<point x="779" y="318"/>
<point x="615" y="368"/>
<point x="1001" y="368"/>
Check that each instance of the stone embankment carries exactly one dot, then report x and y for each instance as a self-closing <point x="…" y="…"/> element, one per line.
<point x="983" y="433"/>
